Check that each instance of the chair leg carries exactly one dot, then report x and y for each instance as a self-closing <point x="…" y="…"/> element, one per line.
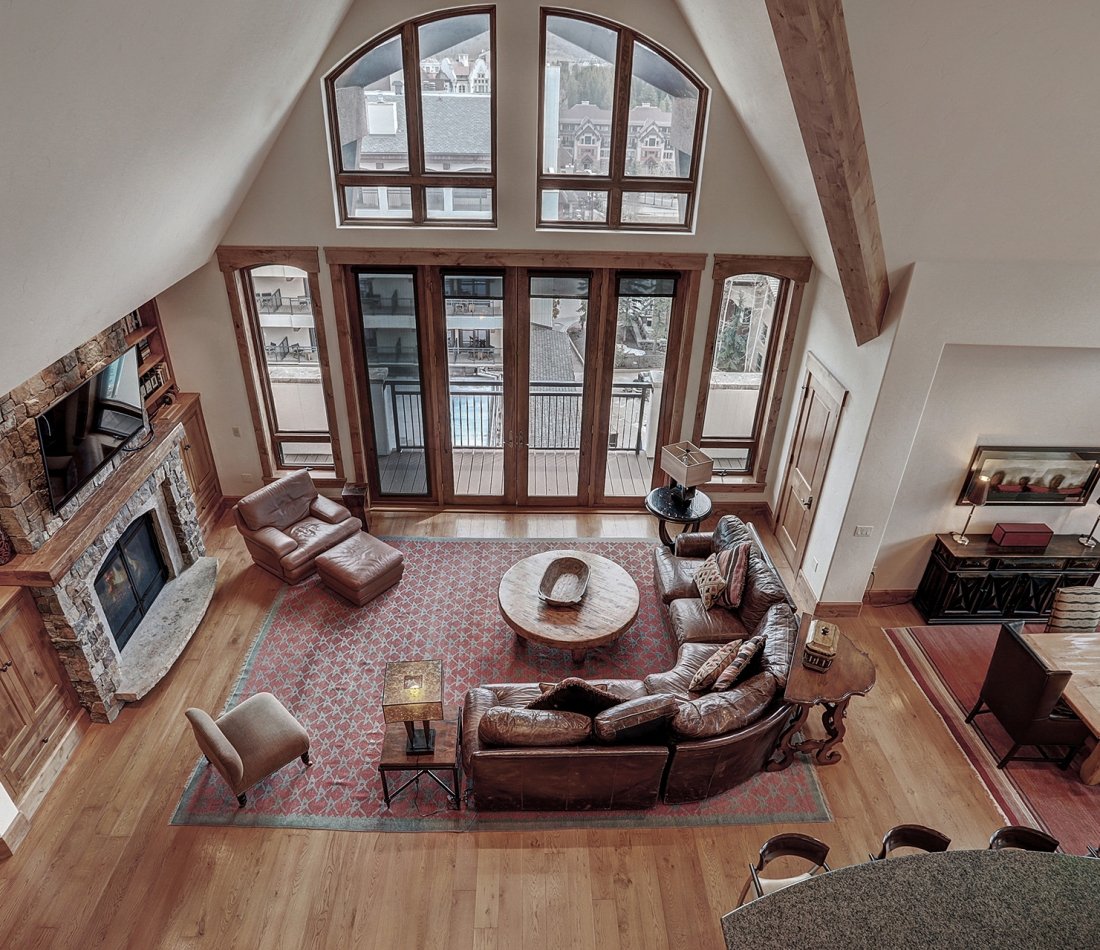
<point x="973" y="712"/>
<point x="242" y="800"/>
<point x="1008" y="755"/>
<point x="305" y="758"/>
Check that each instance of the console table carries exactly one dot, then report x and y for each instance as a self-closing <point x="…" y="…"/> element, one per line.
<point x="985" y="582"/>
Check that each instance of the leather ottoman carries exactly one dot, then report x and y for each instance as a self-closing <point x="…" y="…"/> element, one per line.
<point x="360" y="568"/>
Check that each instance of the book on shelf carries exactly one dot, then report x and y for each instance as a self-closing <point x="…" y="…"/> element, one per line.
<point x="131" y="322"/>
<point x="144" y="349"/>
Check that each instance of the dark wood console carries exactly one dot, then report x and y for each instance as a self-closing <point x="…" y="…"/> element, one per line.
<point x="985" y="582"/>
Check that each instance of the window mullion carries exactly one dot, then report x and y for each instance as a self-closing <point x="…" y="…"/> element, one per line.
<point x="414" y="122"/>
<point x="620" y="122"/>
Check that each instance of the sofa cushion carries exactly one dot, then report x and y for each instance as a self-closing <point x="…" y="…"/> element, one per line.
<point x="717" y="714"/>
<point x="714" y="665"/>
<point x="635" y="720"/>
<point x="729" y="531"/>
<point x="575" y="695"/>
<point x="314" y="537"/>
<point x="691" y="623"/>
<point x="675" y="682"/>
<point x="279" y="504"/>
<point x="508" y="726"/>
<point x="734" y="564"/>
<point x="674" y="576"/>
<point x="779" y="627"/>
<point x="748" y="649"/>
<point x="762" y="589"/>
<point x="710" y="581"/>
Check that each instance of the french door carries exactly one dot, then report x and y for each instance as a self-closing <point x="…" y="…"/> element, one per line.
<point x="515" y="386"/>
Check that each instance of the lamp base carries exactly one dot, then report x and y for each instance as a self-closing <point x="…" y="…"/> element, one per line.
<point x="421" y="742"/>
<point x="1087" y="540"/>
<point x="960" y="539"/>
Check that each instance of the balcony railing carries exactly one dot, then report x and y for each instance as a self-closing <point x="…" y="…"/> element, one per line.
<point x="554" y="422"/>
<point x="277" y="303"/>
<point x="286" y="352"/>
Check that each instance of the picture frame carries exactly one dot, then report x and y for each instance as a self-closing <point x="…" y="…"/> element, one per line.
<point x="1021" y="475"/>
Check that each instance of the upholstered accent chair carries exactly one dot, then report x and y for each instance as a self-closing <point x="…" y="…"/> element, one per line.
<point x="1075" y="609"/>
<point x="286" y="524"/>
<point x="250" y="742"/>
<point x="802" y="847"/>
<point x="1024" y="696"/>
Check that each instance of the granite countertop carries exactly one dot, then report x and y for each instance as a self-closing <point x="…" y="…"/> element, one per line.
<point x="957" y="899"/>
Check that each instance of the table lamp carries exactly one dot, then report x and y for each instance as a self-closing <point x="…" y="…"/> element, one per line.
<point x="687" y="466"/>
<point x="977" y="496"/>
<point x="412" y="691"/>
<point x="1089" y="540"/>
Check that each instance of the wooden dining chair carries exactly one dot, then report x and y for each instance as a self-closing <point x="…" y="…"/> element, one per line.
<point x="1075" y="609"/>
<point x="911" y="836"/>
<point x="1026" y="839"/>
<point x="1093" y="852"/>
<point x="803" y="847"/>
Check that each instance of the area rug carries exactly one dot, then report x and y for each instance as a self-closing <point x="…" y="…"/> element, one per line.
<point x="949" y="663"/>
<point x="324" y="658"/>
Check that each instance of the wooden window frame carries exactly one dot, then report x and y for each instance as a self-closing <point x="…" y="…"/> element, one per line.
<point x="793" y="274"/>
<point x="236" y="264"/>
<point x="616" y="182"/>
<point x="416" y="179"/>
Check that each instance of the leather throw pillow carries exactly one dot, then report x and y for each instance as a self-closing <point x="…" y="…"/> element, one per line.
<point x="710" y="582"/>
<point x="511" y="726"/>
<point x="731" y="673"/>
<point x="733" y="563"/>
<point x="714" y="665"/>
<point x="573" y="694"/>
<point x="636" y="719"/>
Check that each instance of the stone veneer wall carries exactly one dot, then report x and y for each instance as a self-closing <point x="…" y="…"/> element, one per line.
<point x="25" y="513"/>
<point x="71" y="611"/>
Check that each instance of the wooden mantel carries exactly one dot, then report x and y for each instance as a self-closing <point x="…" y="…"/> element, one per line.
<point x="51" y="562"/>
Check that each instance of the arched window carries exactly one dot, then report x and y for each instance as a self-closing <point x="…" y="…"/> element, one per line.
<point x="599" y="73"/>
<point x="403" y="114"/>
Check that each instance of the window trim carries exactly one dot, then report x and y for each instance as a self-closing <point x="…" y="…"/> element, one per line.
<point x="417" y="179"/>
<point x="793" y="274"/>
<point x="616" y="182"/>
<point x="236" y="264"/>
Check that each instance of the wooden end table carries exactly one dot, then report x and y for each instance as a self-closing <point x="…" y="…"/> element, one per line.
<point x="394" y="758"/>
<point x="852" y="674"/>
<point x="609" y="606"/>
<point x="666" y="506"/>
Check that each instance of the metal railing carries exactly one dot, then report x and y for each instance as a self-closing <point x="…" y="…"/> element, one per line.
<point x="277" y="303"/>
<point x="286" y="352"/>
<point x="554" y="421"/>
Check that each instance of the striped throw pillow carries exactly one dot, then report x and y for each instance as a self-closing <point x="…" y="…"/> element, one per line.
<point x="713" y="665"/>
<point x="733" y="564"/>
<point x="730" y="674"/>
<point x="1075" y="608"/>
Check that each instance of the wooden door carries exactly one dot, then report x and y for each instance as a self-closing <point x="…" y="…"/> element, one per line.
<point x="35" y="703"/>
<point x="822" y="399"/>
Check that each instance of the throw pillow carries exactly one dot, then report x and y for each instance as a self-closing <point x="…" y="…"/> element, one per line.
<point x="635" y="719"/>
<point x="714" y="664"/>
<point x="729" y="675"/>
<point x="734" y="564"/>
<point x="573" y="694"/>
<point x="709" y="582"/>
<point x="511" y="726"/>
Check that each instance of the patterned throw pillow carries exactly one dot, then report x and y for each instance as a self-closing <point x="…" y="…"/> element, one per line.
<point x="728" y="676"/>
<point x="573" y="694"/>
<point x="733" y="563"/>
<point x="709" y="582"/>
<point x="714" y="664"/>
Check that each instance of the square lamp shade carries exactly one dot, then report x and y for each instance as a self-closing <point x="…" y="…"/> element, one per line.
<point x="686" y="464"/>
<point x="412" y="691"/>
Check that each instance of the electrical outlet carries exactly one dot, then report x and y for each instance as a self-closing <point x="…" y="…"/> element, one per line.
<point x="236" y="432"/>
<point x="248" y="478"/>
<point x="864" y="530"/>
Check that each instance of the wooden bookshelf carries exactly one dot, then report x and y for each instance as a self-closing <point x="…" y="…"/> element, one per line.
<point x="154" y="362"/>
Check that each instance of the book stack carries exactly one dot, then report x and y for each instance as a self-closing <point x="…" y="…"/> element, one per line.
<point x="154" y="380"/>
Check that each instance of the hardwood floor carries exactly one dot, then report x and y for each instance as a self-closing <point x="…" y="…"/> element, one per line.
<point x="101" y="866"/>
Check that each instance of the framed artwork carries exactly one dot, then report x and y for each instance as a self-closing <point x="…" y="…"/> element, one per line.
<point x="1024" y="476"/>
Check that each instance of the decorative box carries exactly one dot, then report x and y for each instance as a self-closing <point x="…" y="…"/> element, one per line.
<point x="820" y="647"/>
<point x="1012" y="534"/>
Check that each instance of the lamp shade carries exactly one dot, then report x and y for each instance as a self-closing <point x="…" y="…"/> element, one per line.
<point x="412" y="691"/>
<point x="979" y="493"/>
<point x="686" y="464"/>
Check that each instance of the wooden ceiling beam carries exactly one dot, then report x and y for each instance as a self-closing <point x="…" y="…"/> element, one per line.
<point x="813" y="47"/>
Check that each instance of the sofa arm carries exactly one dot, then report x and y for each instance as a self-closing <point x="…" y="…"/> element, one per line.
<point x="478" y="702"/>
<point x="274" y="541"/>
<point x="328" y="510"/>
<point x="694" y="544"/>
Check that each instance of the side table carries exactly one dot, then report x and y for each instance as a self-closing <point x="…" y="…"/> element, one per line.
<point x="852" y="674"/>
<point x="448" y="740"/>
<point x="666" y="507"/>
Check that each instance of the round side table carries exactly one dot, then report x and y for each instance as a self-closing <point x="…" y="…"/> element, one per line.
<point x="666" y="506"/>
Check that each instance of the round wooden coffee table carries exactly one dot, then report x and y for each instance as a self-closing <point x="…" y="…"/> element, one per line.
<point x="608" y="608"/>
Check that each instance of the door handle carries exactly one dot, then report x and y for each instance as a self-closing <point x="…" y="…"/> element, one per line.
<point x="808" y="503"/>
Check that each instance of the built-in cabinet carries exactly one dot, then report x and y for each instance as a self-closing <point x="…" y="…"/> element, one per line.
<point x="198" y="459"/>
<point x="154" y="362"/>
<point x="37" y="704"/>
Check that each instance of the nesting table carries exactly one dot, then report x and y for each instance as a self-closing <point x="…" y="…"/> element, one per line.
<point x="394" y="758"/>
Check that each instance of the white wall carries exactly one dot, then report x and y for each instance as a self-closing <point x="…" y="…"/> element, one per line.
<point x="988" y="395"/>
<point x="8" y="810"/>
<point x="291" y="203"/>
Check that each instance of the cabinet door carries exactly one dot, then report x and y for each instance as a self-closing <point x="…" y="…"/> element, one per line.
<point x="198" y="463"/>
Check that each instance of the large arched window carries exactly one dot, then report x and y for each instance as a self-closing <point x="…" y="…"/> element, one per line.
<point x="411" y="124"/>
<point x="642" y="171"/>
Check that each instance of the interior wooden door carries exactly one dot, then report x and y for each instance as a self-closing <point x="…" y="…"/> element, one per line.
<point x="818" y="415"/>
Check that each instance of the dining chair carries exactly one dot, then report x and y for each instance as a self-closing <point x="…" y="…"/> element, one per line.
<point x="911" y="836"/>
<point x="1093" y="852"/>
<point x="1024" y="697"/>
<point x="1075" y="609"/>
<point x="1026" y="839"/>
<point x="790" y="845"/>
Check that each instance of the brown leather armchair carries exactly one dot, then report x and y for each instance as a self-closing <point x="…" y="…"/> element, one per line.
<point x="286" y="524"/>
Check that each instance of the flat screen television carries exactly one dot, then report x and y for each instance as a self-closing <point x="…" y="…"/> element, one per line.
<point x="85" y="429"/>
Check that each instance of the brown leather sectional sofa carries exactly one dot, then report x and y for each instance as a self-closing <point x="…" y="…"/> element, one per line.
<point x="718" y="740"/>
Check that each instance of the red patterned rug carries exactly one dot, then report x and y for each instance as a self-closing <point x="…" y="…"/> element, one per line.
<point x="949" y="663"/>
<point x="324" y="659"/>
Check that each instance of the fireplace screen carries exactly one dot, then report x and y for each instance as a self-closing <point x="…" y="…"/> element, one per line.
<point x="132" y="576"/>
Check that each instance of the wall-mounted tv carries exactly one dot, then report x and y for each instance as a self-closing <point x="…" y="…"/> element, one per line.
<point x="83" y="430"/>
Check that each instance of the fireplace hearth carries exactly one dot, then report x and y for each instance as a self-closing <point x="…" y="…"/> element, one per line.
<point x="132" y="576"/>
